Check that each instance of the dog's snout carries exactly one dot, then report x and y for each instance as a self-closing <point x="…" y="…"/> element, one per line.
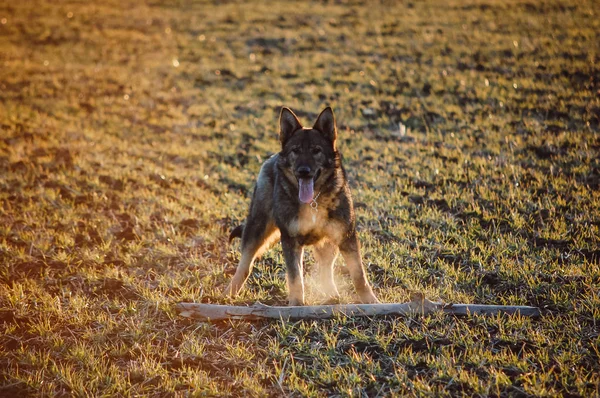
<point x="303" y="171"/>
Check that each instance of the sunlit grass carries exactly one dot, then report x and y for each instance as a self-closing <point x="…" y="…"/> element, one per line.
<point x="131" y="135"/>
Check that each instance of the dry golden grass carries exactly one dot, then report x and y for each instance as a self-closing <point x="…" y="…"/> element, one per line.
<point x="131" y="135"/>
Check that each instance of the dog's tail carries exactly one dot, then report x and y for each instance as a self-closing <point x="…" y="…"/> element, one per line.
<point x="236" y="233"/>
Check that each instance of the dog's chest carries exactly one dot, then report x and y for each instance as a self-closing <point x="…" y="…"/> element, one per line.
<point x="310" y="221"/>
<point x="311" y="226"/>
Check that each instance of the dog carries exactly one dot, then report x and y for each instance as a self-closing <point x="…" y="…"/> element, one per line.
<point x="302" y="198"/>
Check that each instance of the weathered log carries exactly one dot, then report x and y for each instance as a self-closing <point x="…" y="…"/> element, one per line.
<point x="418" y="305"/>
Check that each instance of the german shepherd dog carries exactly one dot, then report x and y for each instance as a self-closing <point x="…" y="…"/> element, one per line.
<point x="302" y="197"/>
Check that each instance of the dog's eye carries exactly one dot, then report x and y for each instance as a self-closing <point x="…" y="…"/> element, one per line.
<point x="295" y="151"/>
<point x="316" y="151"/>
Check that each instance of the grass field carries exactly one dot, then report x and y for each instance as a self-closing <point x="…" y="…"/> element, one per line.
<point x="131" y="135"/>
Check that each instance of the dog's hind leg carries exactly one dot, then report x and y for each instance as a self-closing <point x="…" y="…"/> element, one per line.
<point x="350" y="249"/>
<point x="325" y="255"/>
<point x="257" y="237"/>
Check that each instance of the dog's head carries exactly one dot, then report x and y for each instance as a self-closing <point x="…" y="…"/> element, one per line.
<point x="309" y="154"/>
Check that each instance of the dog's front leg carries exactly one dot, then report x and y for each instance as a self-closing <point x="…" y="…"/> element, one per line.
<point x="350" y="249"/>
<point x="325" y="254"/>
<point x="293" y="252"/>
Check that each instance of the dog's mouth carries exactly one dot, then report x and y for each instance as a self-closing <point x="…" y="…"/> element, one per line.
<point x="306" y="188"/>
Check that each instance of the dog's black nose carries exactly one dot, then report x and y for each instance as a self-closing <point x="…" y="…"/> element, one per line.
<point x="303" y="171"/>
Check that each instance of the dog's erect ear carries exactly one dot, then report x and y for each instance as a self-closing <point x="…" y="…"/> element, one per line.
<point x="326" y="124"/>
<point x="288" y="124"/>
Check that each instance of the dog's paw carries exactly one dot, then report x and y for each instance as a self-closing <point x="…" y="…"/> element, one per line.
<point x="293" y="302"/>
<point x="369" y="299"/>
<point x="227" y="291"/>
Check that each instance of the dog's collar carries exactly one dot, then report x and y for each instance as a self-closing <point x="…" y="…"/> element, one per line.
<point x="314" y="205"/>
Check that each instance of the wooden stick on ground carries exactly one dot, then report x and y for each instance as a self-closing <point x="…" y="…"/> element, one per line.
<point x="418" y="305"/>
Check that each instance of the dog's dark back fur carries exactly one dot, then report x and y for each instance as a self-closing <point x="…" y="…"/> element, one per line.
<point x="278" y="209"/>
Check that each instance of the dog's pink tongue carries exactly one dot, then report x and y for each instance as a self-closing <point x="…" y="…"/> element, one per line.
<point x="306" y="190"/>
